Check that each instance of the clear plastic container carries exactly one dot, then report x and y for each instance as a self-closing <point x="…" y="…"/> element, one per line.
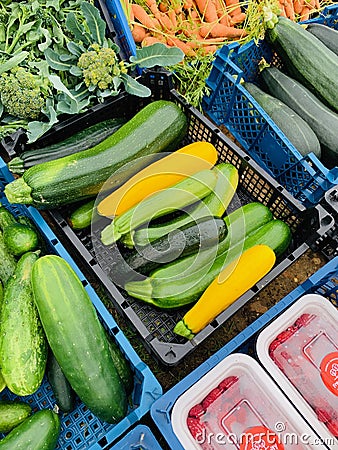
<point x="236" y="406"/>
<point x="300" y="351"/>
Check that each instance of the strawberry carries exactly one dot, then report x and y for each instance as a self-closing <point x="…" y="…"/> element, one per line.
<point x="304" y="319"/>
<point x="284" y="335"/>
<point x="196" y="428"/>
<point x="227" y="382"/>
<point x="196" y="411"/>
<point x="323" y="415"/>
<point x="333" y="427"/>
<point x="211" y="397"/>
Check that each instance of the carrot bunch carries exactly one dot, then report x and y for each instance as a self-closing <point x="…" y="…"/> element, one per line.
<point x="298" y="10"/>
<point x="192" y="25"/>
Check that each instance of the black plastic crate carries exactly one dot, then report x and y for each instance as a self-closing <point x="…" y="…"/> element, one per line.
<point x="155" y="326"/>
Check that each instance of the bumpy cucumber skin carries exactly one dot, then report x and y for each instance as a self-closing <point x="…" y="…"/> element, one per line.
<point x="122" y="366"/>
<point x="8" y="262"/>
<point x="82" y="216"/>
<point x="307" y="59"/>
<point x="6" y="218"/>
<point x="40" y="431"/>
<point x="62" y="390"/>
<point x="12" y="414"/>
<point x="23" y="345"/>
<point x="158" y="127"/>
<point x="77" y="338"/>
<point x="20" y="238"/>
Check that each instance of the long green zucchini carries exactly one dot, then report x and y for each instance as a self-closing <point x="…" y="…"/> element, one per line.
<point x="174" y="198"/>
<point x="293" y="126"/>
<point x="77" y="338"/>
<point x="80" y="141"/>
<point x="40" y="431"/>
<point x="214" y="204"/>
<point x="204" y="233"/>
<point x="182" y="282"/>
<point x="23" y="345"/>
<point x="327" y="35"/>
<point x="158" y="127"/>
<point x="322" y="120"/>
<point x="306" y="59"/>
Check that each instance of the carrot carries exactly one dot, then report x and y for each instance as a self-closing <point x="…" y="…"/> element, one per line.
<point x="237" y="18"/>
<point x="188" y="4"/>
<point x="138" y="32"/>
<point x="223" y="16"/>
<point x="163" y="7"/>
<point x="234" y="7"/>
<point x="172" y="18"/>
<point x="305" y="14"/>
<point x="142" y="16"/>
<point x="282" y="10"/>
<point x="218" y="30"/>
<point x="149" y="40"/>
<point x="289" y="9"/>
<point x="208" y="49"/>
<point x="298" y="6"/>
<point x="175" y="42"/>
<point x="208" y="9"/>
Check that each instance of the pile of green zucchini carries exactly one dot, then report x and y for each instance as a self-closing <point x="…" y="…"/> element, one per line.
<point x="302" y="96"/>
<point x="54" y="332"/>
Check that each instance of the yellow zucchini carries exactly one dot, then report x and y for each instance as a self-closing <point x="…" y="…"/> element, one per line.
<point x="234" y="280"/>
<point x="159" y="175"/>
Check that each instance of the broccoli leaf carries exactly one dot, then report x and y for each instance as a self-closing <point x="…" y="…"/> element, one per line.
<point x="1" y="108"/>
<point x="75" y="49"/>
<point x="75" y="27"/>
<point x="157" y="55"/>
<point x="36" y="129"/>
<point x="12" y="62"/>
<point x="134" y="87"/>
<point x="44" y="45"/>
<point x="59" y="86"/>
<point x="55" y="62"/>
<point x="96" y="25"/>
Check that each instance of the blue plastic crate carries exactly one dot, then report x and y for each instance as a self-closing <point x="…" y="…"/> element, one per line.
<point x="140" y="438"/>
<point x="81" y="429"/>
<point x="323" y="282"/>
<point x="229" y="104"/>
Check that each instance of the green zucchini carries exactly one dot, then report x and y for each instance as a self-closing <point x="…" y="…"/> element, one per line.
<point x="158" y="127"/>
<point x="214" y="204"/>
<point x="204" y="233"/>
<point x="12" y="413"/>
<point x="327" y="35"/>
<point x="122" y="366"/>
<point x="182" y="282"/>
<point x="182" y="194"/>
<point x="322" y="120"/>
<point x="80" y="141"/>
<point x="64" y="395"/>
<point x="77" y="338"/>
<point x="82" y="216"/>
<point x="290" y="123"/>
<point x="40" y="431"/>
<point x="23" y="345"/>
<point x="306" y="59"/>
<point x="20" y="238"/>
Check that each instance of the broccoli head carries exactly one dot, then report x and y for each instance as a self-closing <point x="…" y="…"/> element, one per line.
<point x="100" y="66"/>
<point x="22" y="94"/>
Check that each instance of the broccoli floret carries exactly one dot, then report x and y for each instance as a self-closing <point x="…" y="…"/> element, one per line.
<point x="100" y="66"/>
<point x="22" y="94"/>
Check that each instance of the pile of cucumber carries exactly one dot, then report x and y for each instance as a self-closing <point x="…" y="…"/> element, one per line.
<point x="301" y="97"/>
<point x="49" y="326"/>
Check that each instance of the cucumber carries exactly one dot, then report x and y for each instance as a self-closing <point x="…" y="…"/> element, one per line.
<point x="202" y="234"/>
<point x="64" y="395"/>
<point x="82" y="216"/>
<point x="122" y="366"/>
<point x="23" y="345"/>
<point x="20" y="238"/>
<point x="322" y="120"/>
<point x="80" y="141"/>
<point x="158" y="127"/>
<point x="8" y="262"/>
<point x="2" y="381"/>
<point x="77" y="338"/>
<point x="40" y="431"/>
<point x="214" y="204"/>
<point x="290" y="123"/>
<point x="181" y="282"/>
<point x="174" y="198"/>
<point x="12" y="413"/>
<point x="6" y="218"/>
<point x="306" y="59"/>
<point x="327" y="35"/>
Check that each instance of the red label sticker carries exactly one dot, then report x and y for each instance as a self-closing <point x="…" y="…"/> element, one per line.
<point x="329" y="372"/>
<point x="260" y="438"/>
